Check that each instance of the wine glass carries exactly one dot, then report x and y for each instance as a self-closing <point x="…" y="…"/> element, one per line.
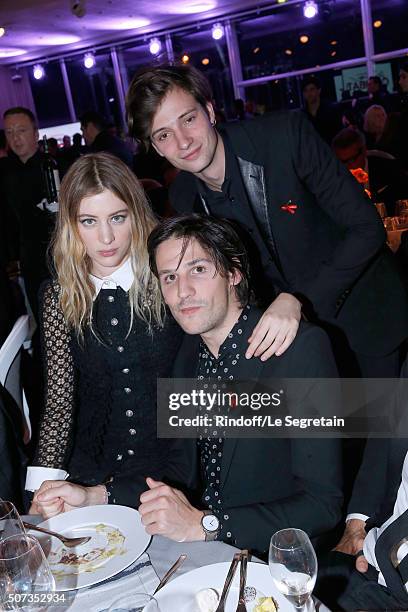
<point x="135" y="602"/>
<point x="293" y="565"/>
<point x="10" y="521"/>
<point x="24" y="570"/>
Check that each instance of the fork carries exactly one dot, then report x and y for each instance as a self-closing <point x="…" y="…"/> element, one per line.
<point x="227" y="583"/>
<point x="68" y="542"/>
<point x="241" y="607"/>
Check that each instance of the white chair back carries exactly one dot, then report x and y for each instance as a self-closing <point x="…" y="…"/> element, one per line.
<point x="10" y="376"/>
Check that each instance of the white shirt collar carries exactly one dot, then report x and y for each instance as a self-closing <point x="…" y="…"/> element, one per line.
<point x="122" y="277"/>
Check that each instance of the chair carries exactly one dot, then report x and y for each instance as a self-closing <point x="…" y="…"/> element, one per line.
<point x="10" y="377"/>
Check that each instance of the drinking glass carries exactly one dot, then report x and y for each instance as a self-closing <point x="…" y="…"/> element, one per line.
<point x="24" y="571"/>
<point x="135" y="602"/>
<point x="10" y="521"/>
<point x="293" y="565"/>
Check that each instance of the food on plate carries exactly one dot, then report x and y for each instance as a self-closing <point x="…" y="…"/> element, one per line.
<point x="106" y="542"/>
<point x="266" y="604"/>
<point x="207" y="600"/>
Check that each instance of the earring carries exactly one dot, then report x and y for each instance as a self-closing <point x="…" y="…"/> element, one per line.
<point x="213" y="122"/>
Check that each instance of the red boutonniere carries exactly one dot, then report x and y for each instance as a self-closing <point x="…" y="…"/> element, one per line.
<point x="289" y="207"/>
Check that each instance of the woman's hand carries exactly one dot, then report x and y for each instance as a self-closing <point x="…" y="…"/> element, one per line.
<point x="56" y="496"/>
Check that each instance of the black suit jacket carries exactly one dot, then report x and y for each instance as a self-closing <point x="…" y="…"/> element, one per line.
<point x="111" y="144"/>
<point x="271" y="484"/>
<point x="331" y="251"/>
<point x="378" y="480"/>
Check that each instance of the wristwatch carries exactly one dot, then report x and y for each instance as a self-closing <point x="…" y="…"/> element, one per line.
<point x="210" y="525"/>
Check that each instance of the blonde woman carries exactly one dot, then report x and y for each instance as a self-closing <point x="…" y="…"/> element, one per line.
<point x="106" y="340"/>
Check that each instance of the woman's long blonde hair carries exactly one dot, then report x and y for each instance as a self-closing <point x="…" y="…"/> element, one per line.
<point x="90" y="175"/>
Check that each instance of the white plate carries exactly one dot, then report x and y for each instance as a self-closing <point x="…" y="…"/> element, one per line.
<point x="180" y="594"/>
<point x="117" y="539"/>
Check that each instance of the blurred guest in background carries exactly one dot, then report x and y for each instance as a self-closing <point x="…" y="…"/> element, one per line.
<point x="323" y="116"/>
<point x="403" y="83"/>
<point x="98" y="138"/>
<point x="385" y="179"/>
<point x="24" y="193"/>
<point x="375" y="119"/>
<point x="66" y="142"/>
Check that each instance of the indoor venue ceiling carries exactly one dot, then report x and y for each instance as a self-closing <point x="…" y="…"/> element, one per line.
<point x="40" y="28"/>
<point x="46" y="28"/>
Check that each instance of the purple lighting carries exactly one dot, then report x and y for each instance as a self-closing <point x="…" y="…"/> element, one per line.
<point x="310" y="9"/>
<point x="155" y="46"/>
<point x="89" y="60"/>
<point x="217" y="31"/>
<point x="38" y="72"/>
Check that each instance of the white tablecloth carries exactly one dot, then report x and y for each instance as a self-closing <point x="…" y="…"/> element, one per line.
<point x="162" y="553"/>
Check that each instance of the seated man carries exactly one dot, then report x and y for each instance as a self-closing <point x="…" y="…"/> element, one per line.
<point x="203" y="272"/>
<point x="368" y="568"/>
<point x="385" y="179"/>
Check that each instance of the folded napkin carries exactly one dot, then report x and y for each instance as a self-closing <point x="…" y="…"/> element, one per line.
<point x="139" y="577"/>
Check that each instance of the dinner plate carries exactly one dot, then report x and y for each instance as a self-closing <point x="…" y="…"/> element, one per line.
<point x="180" y="595"/>
<point x="118" y="538"/>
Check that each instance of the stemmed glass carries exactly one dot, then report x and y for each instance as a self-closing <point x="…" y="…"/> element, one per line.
<point x="135" y="602"/>
<point x="293" y="565"/>
<point x="10" y="521"/>
<point x="24" y="571"/>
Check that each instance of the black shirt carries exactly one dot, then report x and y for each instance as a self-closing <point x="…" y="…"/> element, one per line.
<point x="232" y="203"/>
<point x="211" y="448"/>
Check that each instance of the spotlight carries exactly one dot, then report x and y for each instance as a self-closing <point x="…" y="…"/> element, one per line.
<point x="185" y="59"/>
<point x="89" y="60"/>
<point x="288" y="51"/>
<point x="38" y="72"/>
<point x="217" y="31"/>
<point x="2" y="32"/>
<point x="155" y="46"/>
<point x="377" y="23"/>
<point x="205" y="61"/>
<point x="304" y="39"/>
<point x="310" y="9"/>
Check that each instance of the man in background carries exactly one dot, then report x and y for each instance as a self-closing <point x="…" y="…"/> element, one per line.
<point x="98" y="138"/>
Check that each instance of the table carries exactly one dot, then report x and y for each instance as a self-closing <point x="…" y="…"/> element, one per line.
<point x="164" y="552"/>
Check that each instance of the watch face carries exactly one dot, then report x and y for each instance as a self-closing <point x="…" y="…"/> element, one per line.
<point x="210" y="522"/>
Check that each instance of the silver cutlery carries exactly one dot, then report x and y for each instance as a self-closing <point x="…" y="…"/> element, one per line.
<point x="68" y="542"/>
<point x="171" y="571"/>
<point x="227" y="583"/>
<point x="241" y="607"/>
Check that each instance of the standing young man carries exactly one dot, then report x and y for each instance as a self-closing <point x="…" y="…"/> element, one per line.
<point x="314" y="233"/>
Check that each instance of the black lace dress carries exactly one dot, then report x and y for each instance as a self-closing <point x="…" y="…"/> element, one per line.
<point x="99" y="421"/>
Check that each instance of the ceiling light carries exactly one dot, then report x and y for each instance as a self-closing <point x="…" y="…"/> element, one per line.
<point x="217" y="31"/>
<point x="38" y="72"/>
<point x="333" y="53"/>
<point x="2" y="32"/>
<point x="333" y="42"/>
<point x="377" y="23"/>
<point x="155" y="46"/>
<point x="304" y="39"/>
<point x="205" y="61"/>
<point x="281" y="1"/>
<point x="256" y="50"/>
<point x="310" y="9"/>
<point x="185" y="59"/>
<point x="89" y="60"/>
<point x="288" y="51"/>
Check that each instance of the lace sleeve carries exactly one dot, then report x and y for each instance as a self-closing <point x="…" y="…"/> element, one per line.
<point x="57" y="418"/>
